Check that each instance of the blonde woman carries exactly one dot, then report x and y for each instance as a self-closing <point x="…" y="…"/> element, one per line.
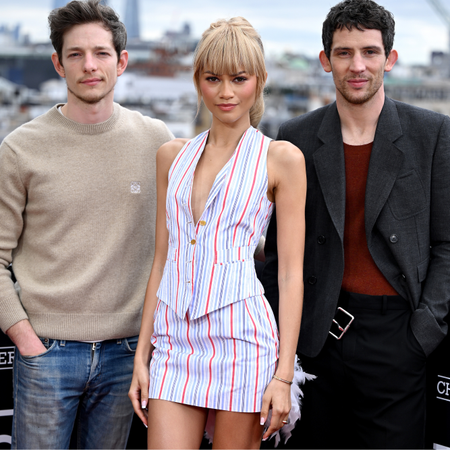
<point x="208" y="333"/>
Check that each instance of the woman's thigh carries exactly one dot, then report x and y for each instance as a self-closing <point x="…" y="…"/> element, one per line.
<point x="237" y="430"/>
<point x="174" y="425"/>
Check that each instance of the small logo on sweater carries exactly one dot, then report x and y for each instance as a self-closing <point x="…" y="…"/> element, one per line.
<point x="135" y="187"/>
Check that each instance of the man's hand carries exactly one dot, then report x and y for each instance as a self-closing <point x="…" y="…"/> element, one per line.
<point x="25" y="339"/>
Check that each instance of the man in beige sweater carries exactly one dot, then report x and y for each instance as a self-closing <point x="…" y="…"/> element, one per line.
<point x="77" y="208"/>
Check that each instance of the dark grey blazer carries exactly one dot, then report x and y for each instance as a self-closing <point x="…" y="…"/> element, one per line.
<point x="407" y="217"/>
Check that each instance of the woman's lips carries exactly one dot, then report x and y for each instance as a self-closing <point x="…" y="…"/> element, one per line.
<point x="226" y="106"/>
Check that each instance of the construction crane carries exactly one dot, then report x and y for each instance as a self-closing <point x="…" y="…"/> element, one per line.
<point x="444" y="14"/>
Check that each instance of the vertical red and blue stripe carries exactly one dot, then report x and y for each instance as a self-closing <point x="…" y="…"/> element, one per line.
<point x="215" y="337"/>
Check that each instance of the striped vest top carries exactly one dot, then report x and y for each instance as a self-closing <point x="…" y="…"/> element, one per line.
<point x="210" y="264"/>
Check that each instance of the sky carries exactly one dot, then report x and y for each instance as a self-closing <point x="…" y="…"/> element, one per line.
<point x="284" y="25"/>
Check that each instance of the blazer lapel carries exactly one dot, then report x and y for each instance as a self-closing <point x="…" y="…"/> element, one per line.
<point x="329" y="163"/>
<point x="385" y="163"/>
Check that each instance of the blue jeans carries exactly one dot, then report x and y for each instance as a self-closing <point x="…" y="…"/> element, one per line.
<point x="74" y="384"/>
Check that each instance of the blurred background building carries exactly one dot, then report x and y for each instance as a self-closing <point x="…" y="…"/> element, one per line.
<point x="158" y="80"/>
<point x="131" y="21"/>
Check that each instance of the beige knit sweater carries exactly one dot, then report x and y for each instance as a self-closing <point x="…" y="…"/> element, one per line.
<point x="77" y="220"/>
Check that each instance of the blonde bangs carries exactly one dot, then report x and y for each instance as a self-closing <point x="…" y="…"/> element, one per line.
<point x="228" y="47"/>
<point x="229" y="51"/>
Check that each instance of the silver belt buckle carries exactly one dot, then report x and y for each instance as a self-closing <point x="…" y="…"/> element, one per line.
<point x="342" y="328"/>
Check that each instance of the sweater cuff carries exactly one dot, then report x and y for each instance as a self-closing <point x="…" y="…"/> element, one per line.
<point x="12" y="312"/>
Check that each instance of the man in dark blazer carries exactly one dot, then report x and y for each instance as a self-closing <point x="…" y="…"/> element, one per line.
<point x="377" y="244"/>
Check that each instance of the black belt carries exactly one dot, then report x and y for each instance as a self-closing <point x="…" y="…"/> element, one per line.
<point x="349" y="300"/>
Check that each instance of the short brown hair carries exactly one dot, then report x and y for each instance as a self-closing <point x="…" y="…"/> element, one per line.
<point x="79" y="12"/>
<point x="361" y="14"/>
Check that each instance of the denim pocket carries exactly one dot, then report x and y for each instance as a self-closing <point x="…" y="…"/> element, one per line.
<point x="49" y="344"/>
<point x="131" y="343"/>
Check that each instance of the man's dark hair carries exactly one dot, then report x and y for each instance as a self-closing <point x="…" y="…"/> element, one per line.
<point x="359" y="14"/>
<point x="79" y="12"/>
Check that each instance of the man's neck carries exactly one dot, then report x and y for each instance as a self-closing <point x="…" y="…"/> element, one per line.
<point x="88" y="113"/>
<point x="359" y="122"/>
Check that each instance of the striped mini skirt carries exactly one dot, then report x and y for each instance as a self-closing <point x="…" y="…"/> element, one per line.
<point x="223" y="360"/>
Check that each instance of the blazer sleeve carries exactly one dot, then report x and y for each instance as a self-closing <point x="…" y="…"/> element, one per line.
<point x="428" y="320"/>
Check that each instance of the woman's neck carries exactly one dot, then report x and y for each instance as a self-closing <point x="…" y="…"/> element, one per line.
<point x="225" y="135"/>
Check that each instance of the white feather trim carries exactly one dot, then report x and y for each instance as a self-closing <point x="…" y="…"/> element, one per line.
<point x="295" y="414"/>
<point x="300" y="377"/>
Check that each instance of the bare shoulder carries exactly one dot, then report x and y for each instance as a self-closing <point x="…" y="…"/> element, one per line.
<point x="168" y="151"/>
<point x="286" y="170"/>
<point x="283" y="153"/>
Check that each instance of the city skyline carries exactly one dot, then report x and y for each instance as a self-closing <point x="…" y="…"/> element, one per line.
<point x="283" y="26"/>
<point x="131" y="19"/>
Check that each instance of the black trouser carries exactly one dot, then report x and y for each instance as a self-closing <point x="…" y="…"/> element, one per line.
<point x="370" y="386"/>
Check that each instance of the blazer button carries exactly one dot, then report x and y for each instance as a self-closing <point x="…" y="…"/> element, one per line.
<point x="312" y="280"/>
<point x="321" y="240"/>
<point x="193" y="242"/>
<point x="393" y="238"/>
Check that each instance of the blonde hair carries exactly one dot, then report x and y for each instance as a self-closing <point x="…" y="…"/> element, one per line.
<point x="227" y="47"/>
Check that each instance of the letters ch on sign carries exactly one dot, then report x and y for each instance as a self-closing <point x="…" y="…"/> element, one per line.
<point x="443" y="388"/>
<point x="6" y="358"/>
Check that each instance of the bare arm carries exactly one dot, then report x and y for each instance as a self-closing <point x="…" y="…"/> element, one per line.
<point x="139" y="386"/>
<point x="287" y="187"/>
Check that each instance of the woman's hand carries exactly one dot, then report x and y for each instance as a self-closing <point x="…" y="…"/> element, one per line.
<point x="138" y="392"/>
<point x="278" y="398"/>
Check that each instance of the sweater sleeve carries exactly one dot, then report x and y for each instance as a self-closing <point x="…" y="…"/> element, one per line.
<point x="12" y="204"/>
<point x="164" y="135"/>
